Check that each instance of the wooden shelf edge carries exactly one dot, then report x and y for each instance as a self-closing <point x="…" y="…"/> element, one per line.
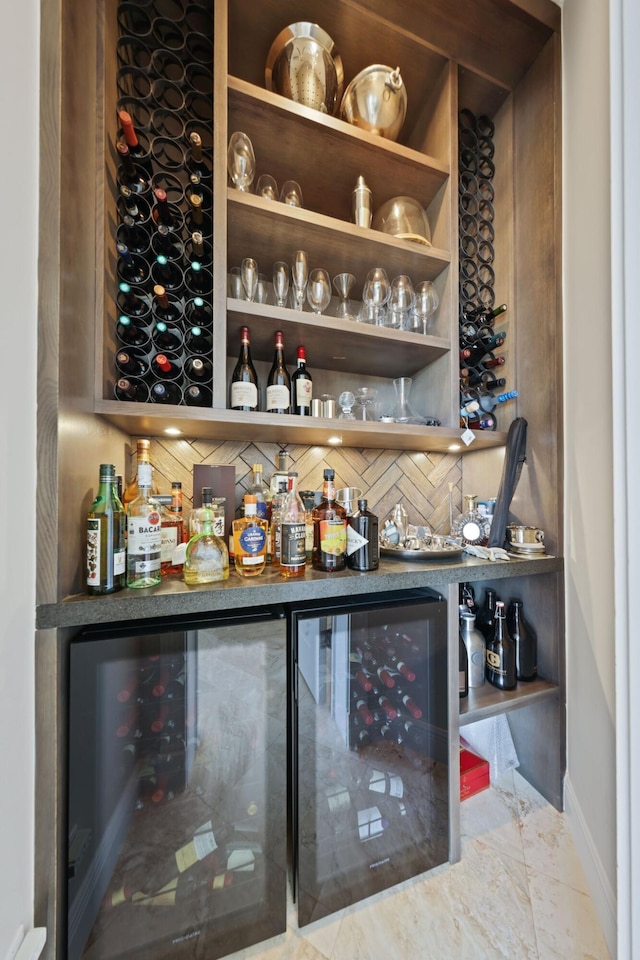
<point x="346" y="130"/>
<point x="138" y="419"/>
<point x="487" y="701"/>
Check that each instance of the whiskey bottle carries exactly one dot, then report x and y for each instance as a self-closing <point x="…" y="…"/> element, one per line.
<point x="172" y="551"/>
<point x="143" y="535"/>
<point x="329" y="529"/>
<point x="106" y="520"/>
<point x="292" y="532"/>
<point x="250" y="540"/>
<point x="501" y="653"/>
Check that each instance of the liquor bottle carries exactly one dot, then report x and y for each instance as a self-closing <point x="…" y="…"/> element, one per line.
<point x="165" y="392"/>
<point x="143" y="448"/>
<point x="259" y="489"/>
<point x="274" y="511"/>
<point x="363" y="552"/>
<point x="301" y="387"/>
<point x="281" y="472"/>
<point x="278" y="399"/>
<point x="525" y="642"/>
<point x="198" y="341"/>
<point x="471" y="526"/>
<point x="250" y="540"/>
<point x="212" y="509"/>
<point x="143" y="534"/>
<point x="137" y="150"/>
<point x="198" y="369"/>
<point x="207" y="557"/>
<point x="474" y="643"/>
<point x="501" y="653"/>
<point x="244" y="387"/>
<point x="486" y="614"/>
<point x="106" y="553"/>
<point x="308" y="497"/>
<point x="293" y="556"/>
<point x="329" y="529"/>
<point x="172" y="534"/>
<point x="130" y="175"/>
<point x="165" y="308"/>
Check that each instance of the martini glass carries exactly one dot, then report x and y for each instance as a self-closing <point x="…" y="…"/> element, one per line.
<point x="365" y="399"/>
<point x="343" y="284"/>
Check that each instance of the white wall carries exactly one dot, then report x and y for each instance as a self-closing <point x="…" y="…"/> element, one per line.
<point x="18" y="285"/>
<point x="591" y="735"/>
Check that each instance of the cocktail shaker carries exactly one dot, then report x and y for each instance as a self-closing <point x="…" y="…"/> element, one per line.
<point x="361" y="208"/>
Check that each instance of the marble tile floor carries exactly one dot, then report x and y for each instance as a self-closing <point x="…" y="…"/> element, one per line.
<point x="518" y="893"/>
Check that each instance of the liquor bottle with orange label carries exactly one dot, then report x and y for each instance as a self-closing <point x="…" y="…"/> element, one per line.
<point x="250" y="539"/>
<point x="329" y="529"/>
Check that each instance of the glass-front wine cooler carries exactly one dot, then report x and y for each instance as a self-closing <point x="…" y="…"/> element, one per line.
<point x="177" y="789"/>
<point x="371" y="773"/>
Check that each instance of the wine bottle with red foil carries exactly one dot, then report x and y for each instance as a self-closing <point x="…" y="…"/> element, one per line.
<point x="360" y="705"/>
<point x="137" y="144"/>
<point x="166" y="366"/>
<point x="525" y="642"/>
<point x="405" y="698"/>
<point x="244" y="386"/>
<point x="301" y="387"/>
<point x="501" y="653"/>
<point x="278" y="399"/>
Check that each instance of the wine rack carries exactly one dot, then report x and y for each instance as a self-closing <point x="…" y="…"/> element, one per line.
<point x="164" y="201"/>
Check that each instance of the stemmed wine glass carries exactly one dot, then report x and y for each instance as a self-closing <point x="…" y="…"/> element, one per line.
<point x="343" y="284"/>
<point x="299" y="275"/>
<point x="267" y="187"/>
<point x="319" y="290"/>
<point x="241" y="161"/>
<point x="249" y="274"/>
<point x="375" y="294"/>
<point x="425" y="305"/>
<point x="281" y="282"/>
<point x="401" y="301"/>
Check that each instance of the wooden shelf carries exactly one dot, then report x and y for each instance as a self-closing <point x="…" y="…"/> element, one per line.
<point x="288" y="138"/>
<point x="138" y="419"/>
<point x="332" y="344"/>
<point x="269" y="231"/>
<point x="488" y="701"/>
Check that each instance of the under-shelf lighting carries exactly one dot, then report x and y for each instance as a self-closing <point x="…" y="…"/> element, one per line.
<point x="335" y="441"/>
<point x="172" y="431"/>
<point x="453" y="447"/>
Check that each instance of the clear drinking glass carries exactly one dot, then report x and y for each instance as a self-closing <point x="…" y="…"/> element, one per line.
<point x="262" y="289"/>
<point x="401" y="301"/>
<point x="236" y="289"/>
<point x="249" y="274"/>
<point x="425" y="305"/>
<point x="267" y="187"/>
<point x="299" y="276"/>
<point x="319" y="290"/>
<point x="343" y="283"/>
<point x="241" y="161"/>
<point x="375" y="294"/>
<point x="280" y="282"/>
<point x="291" y="193"/>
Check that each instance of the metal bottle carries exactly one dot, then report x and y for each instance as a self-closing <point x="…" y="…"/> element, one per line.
<point x="475" y="644"/>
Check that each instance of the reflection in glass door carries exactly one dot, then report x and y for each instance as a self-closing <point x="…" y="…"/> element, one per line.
<point x="372" y="749"/>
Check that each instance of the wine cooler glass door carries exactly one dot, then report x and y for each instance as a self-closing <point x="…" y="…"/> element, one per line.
<point x="177" y="793"/>
<point x="372" y="750"/>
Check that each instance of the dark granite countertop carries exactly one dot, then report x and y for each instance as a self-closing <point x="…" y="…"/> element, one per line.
<point x="174" y="598"/>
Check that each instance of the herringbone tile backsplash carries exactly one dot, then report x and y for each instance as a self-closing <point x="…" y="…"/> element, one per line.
<point x="420" y="480"/>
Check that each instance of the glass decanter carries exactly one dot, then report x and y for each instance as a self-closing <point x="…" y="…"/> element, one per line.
<point x="403" y="411"/>
<point x="471" y="526"/>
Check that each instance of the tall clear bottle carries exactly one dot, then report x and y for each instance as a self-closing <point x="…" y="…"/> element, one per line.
<point x="292" y="531"/>
<point x="501" y="653"/>
<point x="329" y="529"/>
<point x="106" y="522"/>
<point x="144" y="534"/>
<point x="259" y="489"/>
<point x="143" y="448"/>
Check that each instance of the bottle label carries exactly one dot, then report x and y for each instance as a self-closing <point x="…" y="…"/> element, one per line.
<point x="143" y="542"/>
<point x="169" y="541"/>
<point x="354" y="540"/>
<point x="93" y="552"/>
<point x="244" y="394"/>
<point x="253" y="541"/>
<point x="119" y="562"/>
<point x="333" y="536"/>
<point x="201" y="846"/>
<point x="494" y="662"/>
<point x="261" y="509"/>
<point x="278" y="397"/>
<point x="292" y="544"/>
<point x="304" y="392"/>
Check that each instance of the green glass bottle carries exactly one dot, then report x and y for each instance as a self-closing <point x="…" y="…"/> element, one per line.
<point x="106" y="522"/>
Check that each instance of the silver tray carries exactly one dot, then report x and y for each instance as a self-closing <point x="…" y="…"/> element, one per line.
<point x="450" y="552"/>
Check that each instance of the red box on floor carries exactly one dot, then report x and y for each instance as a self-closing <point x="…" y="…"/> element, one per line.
<point x="474" y="771"/>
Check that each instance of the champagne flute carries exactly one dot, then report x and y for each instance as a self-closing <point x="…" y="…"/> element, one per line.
<point x="249" y="274"/>
<point x="241" y="161"/>
<point x="319" y="290"/>
<point x="281" y="282"/>
<point x="299" y="275"/>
